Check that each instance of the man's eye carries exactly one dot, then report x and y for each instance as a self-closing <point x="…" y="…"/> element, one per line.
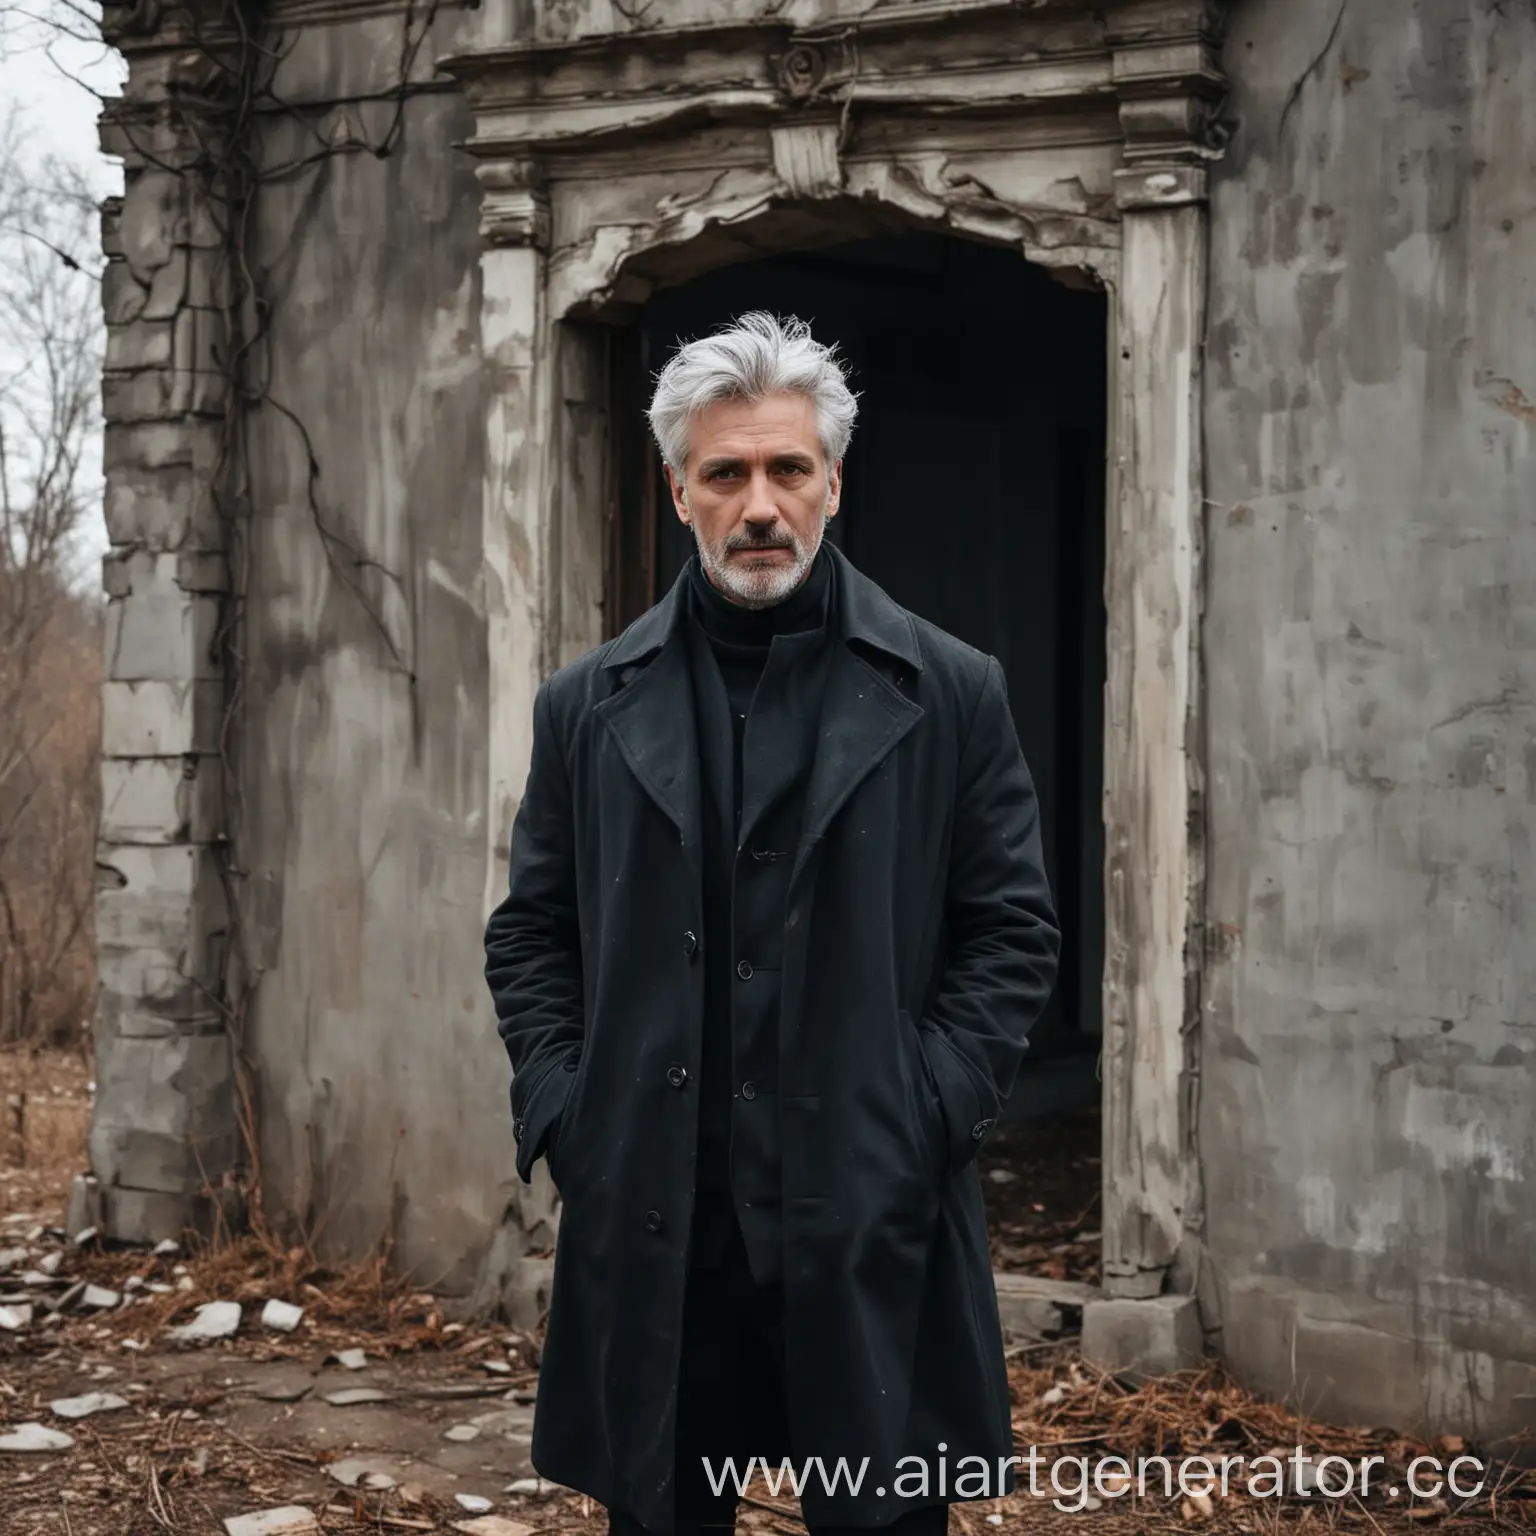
<point x="721" y="474"/>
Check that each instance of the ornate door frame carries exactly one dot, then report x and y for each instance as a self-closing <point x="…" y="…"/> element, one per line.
<point x="1079" y="137"/>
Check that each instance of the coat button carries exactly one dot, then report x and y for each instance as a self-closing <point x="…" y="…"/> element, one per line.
<point x="744" y="970"/>
<point x="517" y="1129"/>
<point x="749" y="1090"/>
<point x="690" y="943"/>
<point x="653" y="1221"/>
<point x="677" y="1076"/>
<point x="980" y="1129"/>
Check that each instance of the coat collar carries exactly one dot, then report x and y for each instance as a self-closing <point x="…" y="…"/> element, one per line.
<point x="652" y="716"/>
<point x="865" y="615"/>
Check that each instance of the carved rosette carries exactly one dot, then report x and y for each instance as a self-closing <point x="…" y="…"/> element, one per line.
<point x="813" y="69"/>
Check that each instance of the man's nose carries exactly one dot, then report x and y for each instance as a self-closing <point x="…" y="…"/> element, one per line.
<point x="761" y="507"/>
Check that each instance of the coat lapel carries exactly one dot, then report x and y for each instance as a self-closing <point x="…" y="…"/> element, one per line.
<point x="862" y="715"/>
<point x="651" y="716"/>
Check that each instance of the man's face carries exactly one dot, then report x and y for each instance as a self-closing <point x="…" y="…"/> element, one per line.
<point x="757" y="492"/>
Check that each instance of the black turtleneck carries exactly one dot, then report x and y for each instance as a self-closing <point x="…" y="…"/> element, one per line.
<point x="742" y="637"/>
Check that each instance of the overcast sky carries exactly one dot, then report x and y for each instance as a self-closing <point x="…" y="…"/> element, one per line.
<point x="41" y="75"/>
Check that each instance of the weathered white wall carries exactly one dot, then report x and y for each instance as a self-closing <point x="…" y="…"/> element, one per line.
<point x="383" y="1084"/>
<point x="1369" y="1063"/>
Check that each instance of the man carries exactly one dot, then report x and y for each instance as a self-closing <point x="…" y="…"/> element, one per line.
<point x="776" y="929"/>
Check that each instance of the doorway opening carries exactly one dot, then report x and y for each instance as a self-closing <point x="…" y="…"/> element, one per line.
<point x="974" y="494"/>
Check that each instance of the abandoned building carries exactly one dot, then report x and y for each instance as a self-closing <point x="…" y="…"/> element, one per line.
<point x="1197" y="351"/>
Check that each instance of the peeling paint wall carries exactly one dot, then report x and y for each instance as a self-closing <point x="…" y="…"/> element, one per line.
<point x="1369" y="1063"/>
<point x="383" y="1084"/>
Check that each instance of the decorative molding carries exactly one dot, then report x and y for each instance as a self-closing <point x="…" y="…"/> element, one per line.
<point x="1172" y="92"/>
<point x="514" y="208"/>
<point x="805" y="157"/>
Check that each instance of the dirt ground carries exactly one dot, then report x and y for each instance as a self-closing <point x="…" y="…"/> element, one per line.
<point x="248" y="1423"/>
<point x="1041" y="1182"/>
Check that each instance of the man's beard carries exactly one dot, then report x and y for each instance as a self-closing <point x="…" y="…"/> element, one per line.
<point x="761" y="586"/>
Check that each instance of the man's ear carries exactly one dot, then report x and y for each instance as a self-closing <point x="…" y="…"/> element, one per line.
<point x="834" y="489"/>
<point x="679" y="494"/>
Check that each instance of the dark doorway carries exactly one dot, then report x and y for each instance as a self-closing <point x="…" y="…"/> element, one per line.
<point x="973" y="493"/>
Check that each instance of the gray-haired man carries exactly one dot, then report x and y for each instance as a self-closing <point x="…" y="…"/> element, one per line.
<point x="776" y="929"/>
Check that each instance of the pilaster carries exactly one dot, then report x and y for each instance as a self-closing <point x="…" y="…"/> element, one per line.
<point x="164" y="1141"/>
<point x="516" y="344"/>
<point x="1170" y="89"/>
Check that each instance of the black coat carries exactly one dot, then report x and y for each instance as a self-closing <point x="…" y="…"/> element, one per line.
<point x="919" y="948"/>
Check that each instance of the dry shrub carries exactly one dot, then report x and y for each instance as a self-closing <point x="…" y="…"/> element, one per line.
<point x="50" y="741"/>
<point x="50" y="631"/>
<point x="45" y="1115"/>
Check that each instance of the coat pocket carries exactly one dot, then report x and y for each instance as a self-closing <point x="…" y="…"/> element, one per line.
<point x="930" y="1103"/>
<point x="560" y="1138"/>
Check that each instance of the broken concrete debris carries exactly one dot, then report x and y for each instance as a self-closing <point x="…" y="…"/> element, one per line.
<point x="492" y="1525"/>
<point x="84" y="1406"/>
<point x="35" y="1438"/>
<point x="357" y="1471"/>
<point x="214" y="1320"/>
<point x="350" y="1397"/>
<point x="289" y="1520"/>
<point x="281" y="1316"/>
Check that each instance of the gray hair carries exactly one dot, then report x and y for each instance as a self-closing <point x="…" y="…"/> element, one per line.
<point x="759" y="354"/>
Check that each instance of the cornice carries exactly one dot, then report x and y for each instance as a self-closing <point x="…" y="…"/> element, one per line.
<point x="1159" y="59"/>
<point x="540" y="97"/>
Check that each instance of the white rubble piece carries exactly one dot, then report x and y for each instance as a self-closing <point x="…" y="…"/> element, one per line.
<point x="12" y="1258"/>
<point x="84" y="1406"/>
<point x="281" y="1316"/>
<point x="35" y="1438"/>
<point x="14" y="1319"/>
<point x="165" y="1248"/>
<point x="356" y="1471"/>
<point x="49" y="1263"/>
<point x="462" y="1432"/>
<point x="214" y="1320"/>
<point x="289" y="1520"/>
<point x="98" y="1298"/>
<point x="492" y="1525"/>
<point x="535" y="1487"/>
<point x="84" y="1236"/>
<point x="352" y="1359"/>
<point x="472" y="1503"/>
<point x="350" y="1397"/>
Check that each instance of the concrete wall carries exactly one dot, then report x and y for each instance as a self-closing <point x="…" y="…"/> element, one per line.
<point x="1369" y="1059"/>
<point x="383" y="1085"/>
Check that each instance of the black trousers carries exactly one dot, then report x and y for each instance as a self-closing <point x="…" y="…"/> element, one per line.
<point x="731" y="1401"/>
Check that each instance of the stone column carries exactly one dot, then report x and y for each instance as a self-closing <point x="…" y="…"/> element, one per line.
<point x="1167" y="76"/>
<point x="164" y="1140"/>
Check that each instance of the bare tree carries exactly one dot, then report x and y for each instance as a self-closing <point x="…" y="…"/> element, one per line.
<point x="50" y="666"/>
